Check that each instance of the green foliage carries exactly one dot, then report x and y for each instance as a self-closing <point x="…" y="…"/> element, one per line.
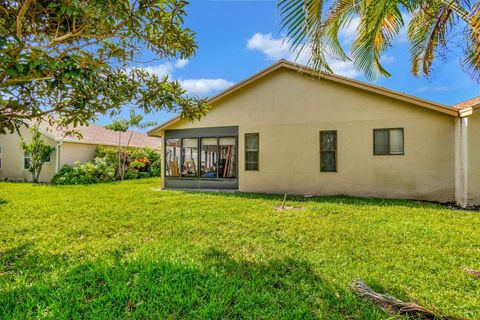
<point x="98" y="170"/>
<point x="140" y="163"/>
<point x="313" y="28"/>
<point x="123" y="125"/>
<point x="39" y="152"/>
<point x="70" y="60"/>
<point x="128" y="251"/>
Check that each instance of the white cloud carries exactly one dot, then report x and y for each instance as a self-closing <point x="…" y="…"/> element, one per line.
<point x="348" y="32"/>
<point x="192" y="86"/>
<point x="181" y="63"/>
<point x="160" y="70"/>
<point x="274" y="49"/>
<point x="403" y="35"/>
<point x="205" y="86"/>
<point x="167" y="68"/>
<point x="433" y="89"/>
<point x="386" y="59"/>
<point x="277" y="48"/>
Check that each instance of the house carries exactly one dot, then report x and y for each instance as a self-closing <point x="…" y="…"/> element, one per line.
<point x="288" y="129"/>
<point x="68" y="149"/>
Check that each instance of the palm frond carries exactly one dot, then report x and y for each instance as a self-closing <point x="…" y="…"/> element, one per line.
<point x="472" y="51"/>
<point x="427" y="32"/>
<point x="380" y="23"/>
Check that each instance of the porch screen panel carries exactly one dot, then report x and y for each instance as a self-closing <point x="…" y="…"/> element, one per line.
<point x="227" y="161"/>
<point x="190" y="157"/>
<point x="172" y="158"/>
<point x="209" y="157"/>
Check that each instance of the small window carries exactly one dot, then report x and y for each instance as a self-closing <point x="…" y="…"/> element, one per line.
<point x="328" y="151"/>
<point x="388" y="141"/>
<point x="26" y="160"/>
<point x="251" y="151"/>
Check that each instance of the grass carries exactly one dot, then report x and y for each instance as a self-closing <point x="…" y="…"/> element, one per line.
<point x="125" y="250"/>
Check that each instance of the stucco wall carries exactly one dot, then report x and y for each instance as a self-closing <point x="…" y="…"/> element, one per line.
<point x="288" y="110"/>
<point x="473" y="168"/>
<point x="12" y="158"/>
<point x="70" y="153"/>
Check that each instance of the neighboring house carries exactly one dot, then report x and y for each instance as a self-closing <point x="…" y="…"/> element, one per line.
<point x="68" y="149"/>
<point x="288" y="130"/>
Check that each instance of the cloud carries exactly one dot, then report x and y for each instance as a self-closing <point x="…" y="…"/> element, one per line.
<point x="181" y="63"/>
<point x="348" y="32"/>
<point x="167" y="68"/>
<point x="386" y="59"/>
<point x="277" y="48"/>
<point x="274" y="49"/>
<point x="433" y="89"/>
<point x="205" y="86"/>
<point x="192" y="86"/>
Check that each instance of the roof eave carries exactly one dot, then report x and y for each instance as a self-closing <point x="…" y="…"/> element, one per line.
<point x="332" y="77"/>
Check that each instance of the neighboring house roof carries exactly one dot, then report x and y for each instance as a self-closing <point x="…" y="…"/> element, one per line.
<point x="468" y="104"/>
<point x="96" y="134"/>
<point x="452" y="111"/>
<point x="468" y="107"/>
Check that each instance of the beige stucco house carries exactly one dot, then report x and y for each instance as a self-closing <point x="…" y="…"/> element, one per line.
<point x="290" y="130"/>
<point x="69" y="149"/>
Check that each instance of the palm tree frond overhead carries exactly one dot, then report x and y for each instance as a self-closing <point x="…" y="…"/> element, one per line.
<point x="313" y="30"/>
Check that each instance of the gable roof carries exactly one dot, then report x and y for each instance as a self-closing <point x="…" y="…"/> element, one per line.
<point x="452" y="111"/>
<point x="99" y="135"/>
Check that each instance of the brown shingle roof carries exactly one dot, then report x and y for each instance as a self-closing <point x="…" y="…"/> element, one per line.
<point x="469" y="103"/>
<point x="96" y="134"/>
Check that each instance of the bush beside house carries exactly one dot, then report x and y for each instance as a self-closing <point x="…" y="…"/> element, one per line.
<point x="140" y="163"/>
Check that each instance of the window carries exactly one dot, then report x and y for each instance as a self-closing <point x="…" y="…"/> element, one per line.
<point x="1" y="156"/>
<point x="328" y="151"/>
<point x="388" y="141"/>
<point x="26" y="160"/>
<point x="190" y="157"/>
<point x="251" y="151"/>
<point x="172" y="157"/>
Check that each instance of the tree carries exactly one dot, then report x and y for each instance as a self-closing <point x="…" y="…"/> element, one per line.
<point x="69" y="60"/>
<point x="122" y="126"/>
<point x="313" y="30"/>
<point x="38" y="151"/>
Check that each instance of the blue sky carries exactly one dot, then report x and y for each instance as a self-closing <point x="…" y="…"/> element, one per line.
<point x="237" y="38"/>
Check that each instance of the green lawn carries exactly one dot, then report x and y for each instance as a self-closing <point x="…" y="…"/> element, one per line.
<point x="126" y="250"/>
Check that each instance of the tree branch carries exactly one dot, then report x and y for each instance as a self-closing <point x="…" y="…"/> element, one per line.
<point x="20" y="15"/>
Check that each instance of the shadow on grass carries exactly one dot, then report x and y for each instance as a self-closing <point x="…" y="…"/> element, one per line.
<point x="3" y="201"/>
<point x="152" y="286"/>
<point x="339" y="199"/>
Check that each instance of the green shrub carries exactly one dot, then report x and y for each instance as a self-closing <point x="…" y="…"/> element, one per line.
<point x="98" y="170"/>
<point x="131" y="174"/>
<point x="141" y="163"/>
